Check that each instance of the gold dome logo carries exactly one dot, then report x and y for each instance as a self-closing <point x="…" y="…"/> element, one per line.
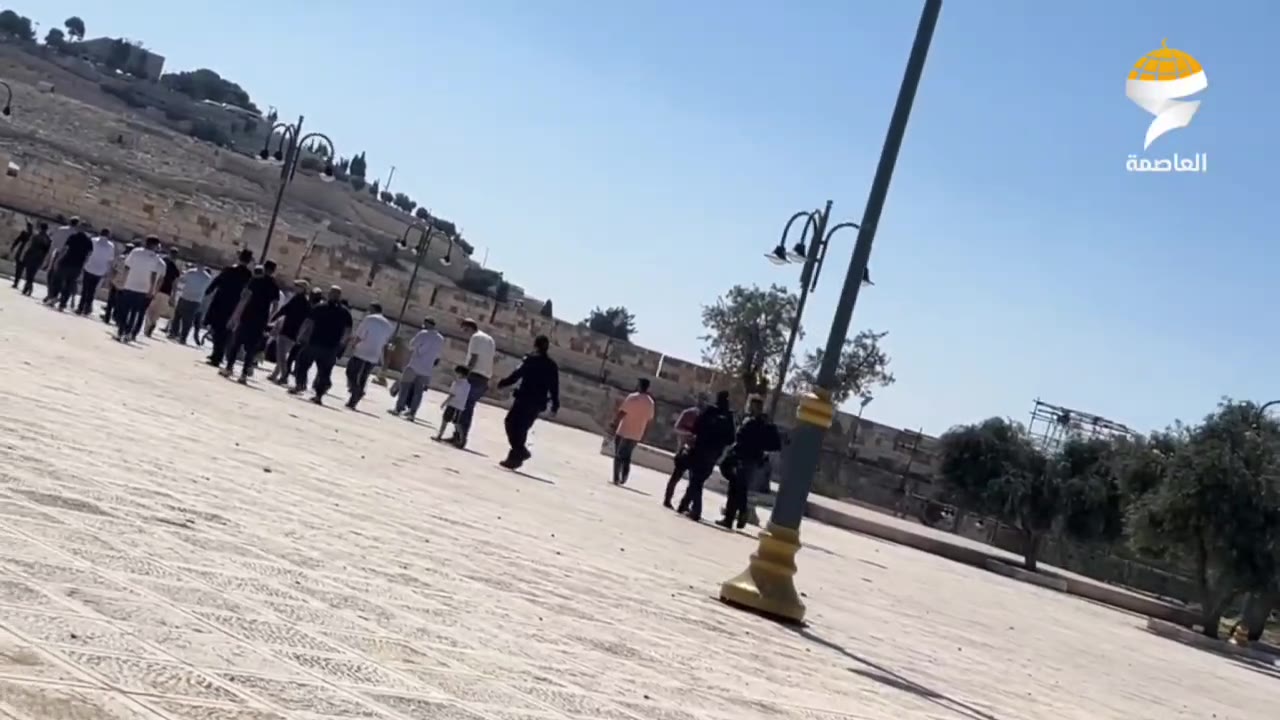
<point x="1157" y="82"/>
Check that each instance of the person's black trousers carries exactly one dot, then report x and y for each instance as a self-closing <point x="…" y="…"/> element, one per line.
<point x="247" y="338"/>
<point x="28" y="273"/>
<point x="357" y="378"/>
<point x="324" y="359"/>
<point x="740" y="482"/>
<point x="700" y="468"/>
<point x="520" y="418"/>
<point x="681" y="467"/>
<point x="130" y="305"/>
<point x="67" y="277"/>
<point x="108" y="312"/>
<point x="184" y="319"/>
<point x="219" y="337"/>
<point x="88" y="289"/>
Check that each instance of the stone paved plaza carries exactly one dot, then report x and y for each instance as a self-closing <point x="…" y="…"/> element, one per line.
<point x="174" y="545"/>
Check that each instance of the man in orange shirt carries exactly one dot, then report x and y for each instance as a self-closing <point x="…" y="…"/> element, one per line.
<point x="632" y="419"/>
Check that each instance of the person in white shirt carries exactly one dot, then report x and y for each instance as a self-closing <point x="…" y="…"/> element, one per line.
<point x="480" y="354"/>
<point x="456" y="402"/>
<point x="57" y="240"/>
<point x="143" y="270"/>
<point x="424" y="354"/>
<point x="97" y="267"/>
<point x="369" y="343"/>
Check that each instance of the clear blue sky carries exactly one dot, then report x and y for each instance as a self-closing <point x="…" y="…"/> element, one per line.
<point x="647" y="153"/>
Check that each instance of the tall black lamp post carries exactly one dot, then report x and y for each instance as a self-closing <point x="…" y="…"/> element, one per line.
<point x="768" y="585"/>
<point x="426" y="231"/>
<point x="288" y="153"/>
<point x="812" y="255"/>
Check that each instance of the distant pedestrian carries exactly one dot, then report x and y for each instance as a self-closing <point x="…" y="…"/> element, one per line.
<point x="118" y="274"/>
<point x="101" y="259"/>
<point x="629" y="424"/>
<point x="480" y="355"/>
<point x="456" y="401"/>
<point x="539" y="379"/>
<point x="32" y="258"/>
<point x="755" y="439"/>
<point x="223" y="296"/>
<point x="143" y="272"/>
<point x="322" y="335"/>
<point x="424" y="354"/>
<point x="250" y="318"/>
<point x="288" y="321"/>
<point x="163" y="298"/>
<point x="58" y="238"/>
<point x="713" y="431"/>
<point x="369" y="348"/>
<point x="684" y="443"/>
<point x="66" y="266"/>
<point x="191" y="287"/>
<point x="20" y="243"/>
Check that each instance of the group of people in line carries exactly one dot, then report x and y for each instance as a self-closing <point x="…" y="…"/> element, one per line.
<point x="245" y="313"/>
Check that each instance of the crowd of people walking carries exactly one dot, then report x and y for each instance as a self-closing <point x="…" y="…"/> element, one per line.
<point x="245" y="313"/>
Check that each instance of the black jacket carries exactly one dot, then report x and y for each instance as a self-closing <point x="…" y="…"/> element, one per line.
<point x="712" y="432"/>
<point x="539" y="379"/>
<point x="756" y="436"/>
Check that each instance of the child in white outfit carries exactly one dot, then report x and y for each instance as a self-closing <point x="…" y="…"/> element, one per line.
<point x="457" y="400"/>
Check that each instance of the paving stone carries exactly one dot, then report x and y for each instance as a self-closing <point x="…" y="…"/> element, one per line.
<point x="21" y="659"/>
<point x="53" y="702"/>
<point x="73" y="631"/>
<point x="296" y="696"/>
<point x="150" y="676"/>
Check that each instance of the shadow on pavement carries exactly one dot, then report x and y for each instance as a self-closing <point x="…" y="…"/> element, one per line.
<point x="524" y="474"/>
<point x="888" y="677"/>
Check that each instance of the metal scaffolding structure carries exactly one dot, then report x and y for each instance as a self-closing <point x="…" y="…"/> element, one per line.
<point x="1051" y="425"/>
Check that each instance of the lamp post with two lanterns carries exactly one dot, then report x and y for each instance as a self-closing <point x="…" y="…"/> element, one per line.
<point x="288" y="153"/>
<point x="426" y="228"/>
<point x="812" y="254"/>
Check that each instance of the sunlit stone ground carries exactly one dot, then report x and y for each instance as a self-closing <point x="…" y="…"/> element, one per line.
<point x="175" y="545"/>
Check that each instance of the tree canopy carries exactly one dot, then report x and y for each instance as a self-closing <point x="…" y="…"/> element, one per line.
<point x="205" y="84"/>
<point x="747" y="331"/>
<point x="56" y="39"/>
<point x="863" y="367"/>
<point x="615" y="322"/>
<point x="1207" y="498"/>
<point x="358" y="166"/>
<point x="993" y="467"/>
<point x="17" y="26"/>
<point x="75" y="27"/>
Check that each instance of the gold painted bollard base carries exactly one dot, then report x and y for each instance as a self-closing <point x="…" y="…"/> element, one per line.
<point x="768" y="586"/>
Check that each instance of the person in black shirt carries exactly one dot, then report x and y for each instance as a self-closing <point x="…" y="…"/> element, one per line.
<point x="225" y="290"/>
<point x="756" y="437"/>
<point x="539" y="379"/>
<point x="322" y="337"/>
<point x="20" y="242"/>
<point x="33" y="256"/>
<point x="67" y="266"/>
<point x="250" y="319"/>
<point x="289" y="319"/>
<point x="712" y="433"/>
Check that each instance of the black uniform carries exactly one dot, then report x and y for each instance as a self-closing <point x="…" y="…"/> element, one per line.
<point x="226" y="289"/>
<point x="33" y="256"/>
<point x="712" y="433"/>
<point x="330" y="323"/>
<point x="757" y="436"/>
<point x="539" y="379"/>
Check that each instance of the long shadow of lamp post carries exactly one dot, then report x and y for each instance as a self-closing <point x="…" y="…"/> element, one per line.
<point x="8" y="99"/>
<point x="767" y="586"/>
<point x="426" y="234"/>
<point x="812" y="255"/>
<point x="288" y="153"/>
